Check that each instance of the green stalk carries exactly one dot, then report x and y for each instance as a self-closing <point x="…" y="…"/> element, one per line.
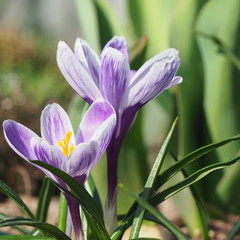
<point x="62" y="213"/>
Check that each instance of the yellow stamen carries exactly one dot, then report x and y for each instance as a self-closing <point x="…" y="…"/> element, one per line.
<point x="64" y="144"/>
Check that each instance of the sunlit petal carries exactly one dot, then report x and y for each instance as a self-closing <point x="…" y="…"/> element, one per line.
<point x="88" y="58"/>
<point x="114" y="76"/>
<point x="152" y="78"/>
<point x="76" y="74"/>
<point x="19" y="138"/>
<point x="99" y="115"/>
<point x="120" y="44"/>
<point x="55" y="124"/>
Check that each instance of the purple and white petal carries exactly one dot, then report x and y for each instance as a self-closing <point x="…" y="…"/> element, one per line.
<point x="114" y="76"/>
<point x="152" y="78"/>
<point x="118" y="43"/>
<point x="175" y="81"/>
<point x="88" y="58"/>
<point x="76" y="74"/>
<point x="97" y="114"/>
<point x="55" y="124"/>
<point x="19" y="138"/>
<point x="81" y="160"/>
<point x="132" y="73"/>
<point x="48" y="154"/>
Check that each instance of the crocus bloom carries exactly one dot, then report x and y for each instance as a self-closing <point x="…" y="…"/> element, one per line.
<point x="109" y="77"/>
<point x="60" y="148"/>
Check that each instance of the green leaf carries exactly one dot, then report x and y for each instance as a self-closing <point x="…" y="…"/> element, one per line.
<point x="87" y="203"/>
<point x="170" y="191"/>
<point x="199" y="208"/>
<point x="92" y="189"/>
<point x="88" y="17"/>
<point x="62" y="213"/>
<point x="149" y="186"/>
<point x="25" y="237"/>
<point x="44" y="198"/>
<point x="152" y="18"/>
<point x="234" y="231"/>
<point x="191" y="157"/>
<point x="109" y="23"/>
<point x="220" y="19"/>
<point x="19" y="228"/>
<point x="46" y="227"/>
<point x="165" y="222"/>
<point x="11" y="194"/>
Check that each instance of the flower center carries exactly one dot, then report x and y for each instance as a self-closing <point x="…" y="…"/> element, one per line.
<point x="64" y="144"/>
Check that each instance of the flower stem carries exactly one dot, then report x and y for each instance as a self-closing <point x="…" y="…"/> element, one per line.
<point x="75" y="215"/>
<point x="111" y="204"/>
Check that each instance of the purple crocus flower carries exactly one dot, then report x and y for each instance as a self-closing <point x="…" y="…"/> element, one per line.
<point x="109" y="77"/>
<point x="60" y="148"/>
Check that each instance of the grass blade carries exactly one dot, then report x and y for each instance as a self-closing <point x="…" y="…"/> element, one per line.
<point x="21" y="229"/>
<point x="62" y="213"/>
<point x="25" y="237"/>
<point x="172" y="228"/>
<point x="191" y="157"/>
<point x="169" y="192"/>
<point x="44" y="199"/>
<point x="11" y="194"/>
<point x="234" y="231"/>
<point x="46" y="227"/>
<point x="199" y="207"/>
<point x="149" y="186"/>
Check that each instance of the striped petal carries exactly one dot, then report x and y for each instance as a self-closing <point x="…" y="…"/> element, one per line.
<point x="152" y="78"/>
<point x="82" y="159"/>
<point x="76" y="74"/>
<point x="55" y="124"/>
<point x="19" y="139"/>
<point x="88" y="58"/>
<point x="100" y="118"/>
<point x="114" y="76"/>
<point x="120" y="44"/>
<point x="48" y="154"/>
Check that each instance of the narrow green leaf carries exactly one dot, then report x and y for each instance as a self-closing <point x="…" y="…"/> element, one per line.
<point x="169" y="192"/>
<point x="44" y="198"/>
<point x="200" y="209"/>
<point x="46" y="227"/>
<point x="19" y="228"/>
<point x="62" y="213"/>
<point x="81" y="195"/>
<point x="109" y="23"/>
<point x="91" y="188"/>
<point x="234" y="231"/>
<point x="191" y="157"/>
<point x="222" y="47"/>
<point x="165" y="222"/>
<point x="11" y="194"/>
<point x="146" y="239"/>
<point x="24" y="237"/>
<point x="148" y="188"/>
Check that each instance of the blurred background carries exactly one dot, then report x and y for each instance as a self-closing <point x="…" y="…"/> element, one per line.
<point x="207" y="35"/>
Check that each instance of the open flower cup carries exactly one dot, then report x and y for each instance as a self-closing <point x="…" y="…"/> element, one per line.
<point x="109" y="77"/>
<point x="59" y="147"/>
